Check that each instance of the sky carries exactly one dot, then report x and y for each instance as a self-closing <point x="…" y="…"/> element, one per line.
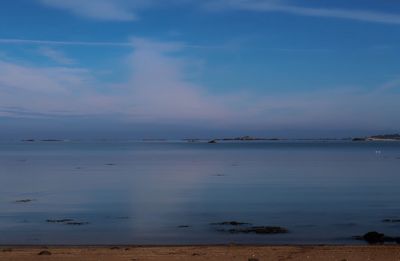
<point x="191" y="68"/>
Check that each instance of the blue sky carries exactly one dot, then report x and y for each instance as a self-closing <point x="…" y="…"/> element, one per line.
<point x="179" y="68"/>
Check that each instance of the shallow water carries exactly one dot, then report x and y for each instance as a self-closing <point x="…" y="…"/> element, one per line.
<point x="140" y="192"/>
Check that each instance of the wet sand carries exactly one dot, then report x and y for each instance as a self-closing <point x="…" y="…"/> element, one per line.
<point x="220" y="253"/>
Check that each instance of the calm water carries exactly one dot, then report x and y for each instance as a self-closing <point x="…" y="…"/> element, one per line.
<point x="140" y="192"/>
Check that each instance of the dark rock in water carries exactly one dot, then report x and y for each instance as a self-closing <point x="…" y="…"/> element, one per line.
<point x="250" y="229"/>
<point x="52" y="140"/>
<point x="359" y="139"/>
<point x="110" y="164"/>
<point x="59" y="220"/>
<point x="44" y="253"/>
<point x="232" y="223"/>
<point x="28" y="140"/>
<point x="76" y="223"/>
<point x="261" y="230"/>
<point x="246" y="228"/>
<point x="67" y="221"/>
<point x="212" y="141"/>
<point x="24" y="200"/>
<point x="374" y="237"/>
<point x="388" y="220"/>
<point x="183" y="226"/>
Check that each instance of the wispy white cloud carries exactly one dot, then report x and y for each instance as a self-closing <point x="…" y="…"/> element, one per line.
<point x="55" y="55"/>
<point x="127" y="10"/>
<point x="126" y="44"/>
<point x="53" y="42"/>
<point x="158" y="91"/>
<point x="390" y="85"/>
<point x="291" y="8"/>
<point x="159" y="88"/>
<point x="116" y="10"/>
<point x="44" y="80"/>
<point x="56" y="91"/>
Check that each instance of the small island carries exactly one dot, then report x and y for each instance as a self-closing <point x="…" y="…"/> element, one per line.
<point x="385" y="137"/>
<point x="243" y="138"/>
<point x="247" y="138"/>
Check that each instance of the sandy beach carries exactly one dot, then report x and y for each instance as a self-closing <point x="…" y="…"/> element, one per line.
<point x="253" y="253"/>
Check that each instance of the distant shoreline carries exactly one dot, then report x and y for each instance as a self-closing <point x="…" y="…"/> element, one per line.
<point x="378" y="138"/>
<point x="386" y="137"/>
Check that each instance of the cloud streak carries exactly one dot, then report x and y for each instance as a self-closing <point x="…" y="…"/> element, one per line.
<point x="158" y="92"/>
<point x="115" y="10"/>
<point x="156" y="89"/>
<point x="127" y="44"/>
<point x="52" y="42"/>
<point x="55" y="55"/>
<point x="286" y="7"/>
<point x="127" y="10"/>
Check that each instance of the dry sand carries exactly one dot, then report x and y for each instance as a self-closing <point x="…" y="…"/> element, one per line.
<point x="220" y="253"/>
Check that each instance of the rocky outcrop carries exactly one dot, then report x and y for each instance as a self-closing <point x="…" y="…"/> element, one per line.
<point x="374" y="237"/>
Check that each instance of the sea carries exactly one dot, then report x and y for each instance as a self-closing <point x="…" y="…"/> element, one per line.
<point x="127" y="192"/>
